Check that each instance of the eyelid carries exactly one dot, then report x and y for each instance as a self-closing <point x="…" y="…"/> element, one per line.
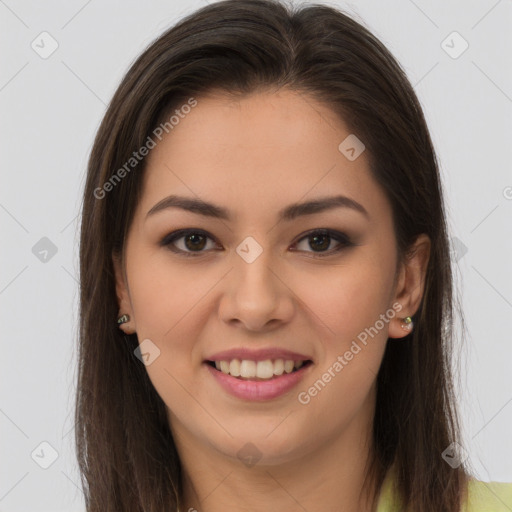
<point x="343" y="240"/>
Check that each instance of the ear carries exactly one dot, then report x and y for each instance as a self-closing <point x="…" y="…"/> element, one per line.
<point x="410" y="284"/>
<point x="123" y="295"/>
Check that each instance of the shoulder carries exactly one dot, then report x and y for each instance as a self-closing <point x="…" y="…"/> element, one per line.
<point x="488" y="496"/>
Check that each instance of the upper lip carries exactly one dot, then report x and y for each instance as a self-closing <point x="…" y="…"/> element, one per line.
<point x="257" y="355"/>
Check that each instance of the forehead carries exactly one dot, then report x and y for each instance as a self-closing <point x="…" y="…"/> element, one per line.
<point x="265" y="149"/>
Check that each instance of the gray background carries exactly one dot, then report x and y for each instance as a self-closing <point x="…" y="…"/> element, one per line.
<point x="51" y="109"/>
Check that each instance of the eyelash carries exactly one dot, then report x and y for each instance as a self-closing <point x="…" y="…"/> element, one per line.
<point x="344" y="241"/>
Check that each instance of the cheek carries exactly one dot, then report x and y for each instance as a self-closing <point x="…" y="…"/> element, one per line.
<point x="168" y="310"/>
<point x="162" y="295"/>
<point x="351" y="303"/>
<point x="353" y="338"/>
<point x="349" y="297"/>
<point x="167" y="307"/>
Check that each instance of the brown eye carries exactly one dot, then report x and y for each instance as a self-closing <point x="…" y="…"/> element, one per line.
<point x="320" y="241"/>
<point x="187" y="242"/>
<point x="195" y="241"/>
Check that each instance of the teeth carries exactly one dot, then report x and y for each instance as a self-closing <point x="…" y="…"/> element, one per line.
<point x="267" y="369"/>
<point x="247" y="369"/>
<point x="234" y="368"/>
<point x="278" y="367"/>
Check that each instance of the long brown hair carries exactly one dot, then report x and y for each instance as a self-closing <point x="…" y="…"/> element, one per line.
<point x="125" y="450"/>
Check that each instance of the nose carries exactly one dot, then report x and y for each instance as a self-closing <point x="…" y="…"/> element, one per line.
<point x="256" y="295"/>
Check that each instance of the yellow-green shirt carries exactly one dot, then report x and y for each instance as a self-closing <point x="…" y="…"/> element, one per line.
<point x="482" y="497"/>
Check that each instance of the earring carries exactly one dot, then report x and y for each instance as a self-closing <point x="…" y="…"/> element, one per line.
<point x="407" y="323"/>
<point x="123" y="319"/>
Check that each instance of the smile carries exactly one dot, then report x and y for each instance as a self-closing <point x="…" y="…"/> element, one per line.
<point x="257" y="370"/>
<point x="279" y="377"/>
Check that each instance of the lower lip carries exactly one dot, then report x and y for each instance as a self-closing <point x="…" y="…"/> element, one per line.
<point x="258" y="390"/>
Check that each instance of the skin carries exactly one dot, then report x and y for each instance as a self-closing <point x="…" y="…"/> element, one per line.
<point x="255" y="156"/>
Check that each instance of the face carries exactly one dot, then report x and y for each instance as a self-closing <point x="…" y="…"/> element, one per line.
<point x="241" y="281"/>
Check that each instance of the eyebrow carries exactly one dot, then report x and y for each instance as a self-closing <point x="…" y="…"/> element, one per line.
<point x="287" y="214"/>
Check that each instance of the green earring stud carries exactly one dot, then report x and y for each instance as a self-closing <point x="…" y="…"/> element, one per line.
<point x="407" y="323"/>
<point x="123" y="319"/>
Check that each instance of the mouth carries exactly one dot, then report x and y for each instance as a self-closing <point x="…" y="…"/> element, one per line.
<point x="258" y="371"/>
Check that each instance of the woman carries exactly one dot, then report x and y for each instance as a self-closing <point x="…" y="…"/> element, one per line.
<point x="266" y="294"/>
